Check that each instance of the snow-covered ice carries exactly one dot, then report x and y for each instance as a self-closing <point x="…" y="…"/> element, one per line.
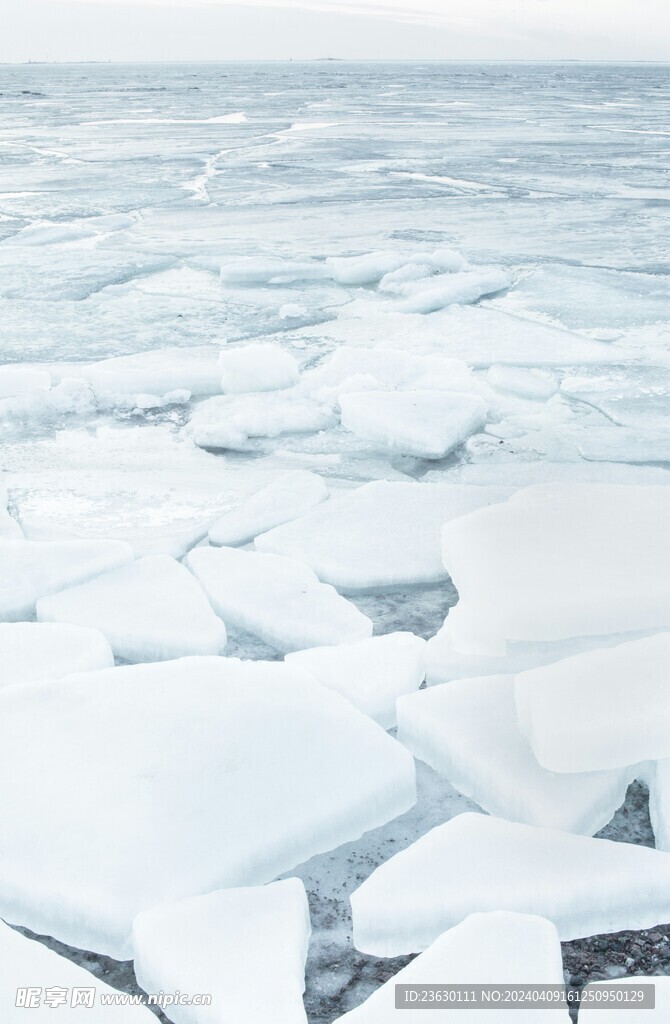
<point x="428" y="424"/>
<point x="150" y="610"/>
<point x="468" y="731"/>
<point x="624" y="707"/>
<point x="585" y="886"/>
<point x="20" y="380"/>
<point x="236" y="421"/>
<point x="371" y="674"/>
<point x="55" y="982"/>
<point x="541" y="566"/>
<point x="35" y="569"/>
<point x="257" y="368"/>
<point x="286" y="498"/>
<point x="159" y="372"/>
<point x="33" y="651"/>
<point x="497" y="948"/>
<point x="215" y="773"/>
<point x="278" y="599"/>
<point x="380" y="534"/>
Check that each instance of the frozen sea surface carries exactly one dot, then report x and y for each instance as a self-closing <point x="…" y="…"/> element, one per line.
<point x="499" y="231"/>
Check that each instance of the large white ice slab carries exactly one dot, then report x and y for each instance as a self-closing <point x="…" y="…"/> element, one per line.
<point x="234" y="421"/>
<point x="244" y="947"/>
<point x="623" y="699"/>
<point x="560" y="560"/>
<point x="597" y="1007"/>
<point x="286" y="498"/>
<point x="486" y="949"/>
<point x="150" y="610"/>
<point x="468" y="731"/>
<point x="428" y="424"/>
<point x="455" y="289"/>
<point x="56" y="984"/>
<point x="278" y="599"/>
<point x="33" y="651"/>
<point x="257" y="368"/>
<point x="34" y="569"/>
<point x="158" y="372"/>
<point x="478" y="863"/>
<point x="371" y="674"/>
<point x="381" y="534"/>
<point x="148" y="783"/>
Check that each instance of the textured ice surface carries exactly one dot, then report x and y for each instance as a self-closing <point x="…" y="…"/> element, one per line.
<point x="286" y="498"/>
<point x="32" y="651"/>
<point x="428" y="424"/>
<point x="468" y="731"/>
<point x="55" y="981"/>
<point x="184" y="811"/>
<point x="596" y="1011"/>
<point x="150" y="610"/>
<point x="524" y="572"/>
<point x="371" y="674"/>
<point x="278" y="599"/>
<point x="234" y="421"/>
<point x="257" y="368"/>
<point x="35" y="569"/>
<point x="381" y="534"/>
<point x="585" y="886"/>
<point x="244" y="947"/>
<point x="455" y="289"/>
<point x="611" y="730"/>
<point x="485" y="949"/>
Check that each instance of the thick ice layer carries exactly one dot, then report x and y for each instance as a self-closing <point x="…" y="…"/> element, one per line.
<point x="26" y="966"/>
<point x="371" y="674"/>
<point x="428" y="424"/>
<point x="41" y="408"/>
<point x="485" y="949"/>
<point x="623" y="698"/>
<point x="455" y="289"/>
<point x="659" y="803"/>
<point x="468" y="731"/>
<point x="33" y="651"/>
<point x="381" y="534"/>
<point x="476" y="863"/>
<point x="34" y="569"/>
<point x="278" y="599"/>
<point x="244" y="947"/>
<point x="159" y="372"/>
<point x="286" y="498"/>
<point x="597" y="1007"/>
<point x="234" y="421"/>
<point x="150" y="610"/>
<point x="363" y="270"/>
<point x="21" y="380"/>
<point x="215" y="773"/>
<point x="257" y="368"/>
<point x="560" y="560"/>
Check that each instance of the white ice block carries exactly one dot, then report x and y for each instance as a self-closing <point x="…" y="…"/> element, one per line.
<point x="475" y="863"/>
<point x="371" y="674"/>
<point x="558" y="561"/>
<point x="30" y="570"/>
<point x="145" y="784"/>
<point x="193" y="369"/>
<point x="384" y="368"/>
<point x="468" y="731"/>
<point x="61" y="988"/>
<point x="486" y="949"/>
<point x="150" y="610"/>
<point x="257" y="368"/>
<point x="427" y="424"/>
<point x="286" y="498"/>
<point x="381" y="534"/>
<point x="455" y="289"/>
<point x="246" y="948"/>
<point x="236" y="421"/>
<point x="601" y="709"/>
<point x="278" y="599"/>
<point x="33" y="651"/>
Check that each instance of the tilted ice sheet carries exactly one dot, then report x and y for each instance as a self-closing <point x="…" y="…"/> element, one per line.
<point x="541" y="566"/>
<point x="286" y="498"/>
<point x="381" y="534"/>
<point x="585" y="886"/>
<point x="246" y="948"/>
<point x="468" y="731"/>
<point x="623" y="700"/>
<point x="498" y="948"/>
<point x="216" y="773"/>
<point x="235" y="421"/>
<point x="33" y="651"/>
<point x="278" y="599"/>
<point x="150" y="610"/>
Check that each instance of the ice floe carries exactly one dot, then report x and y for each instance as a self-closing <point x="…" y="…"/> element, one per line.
<point x="455" y="289"/>
<point x="254" y="368"/>
<point x="235" y="421"/>
<point x="159" y="372"/>
<point x="33" y="651"/>
<point x="21" y="380"/>
<point x="286" y="498"/>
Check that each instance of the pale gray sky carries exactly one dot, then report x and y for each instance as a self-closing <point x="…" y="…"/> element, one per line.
<point x="375" y="29"/>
